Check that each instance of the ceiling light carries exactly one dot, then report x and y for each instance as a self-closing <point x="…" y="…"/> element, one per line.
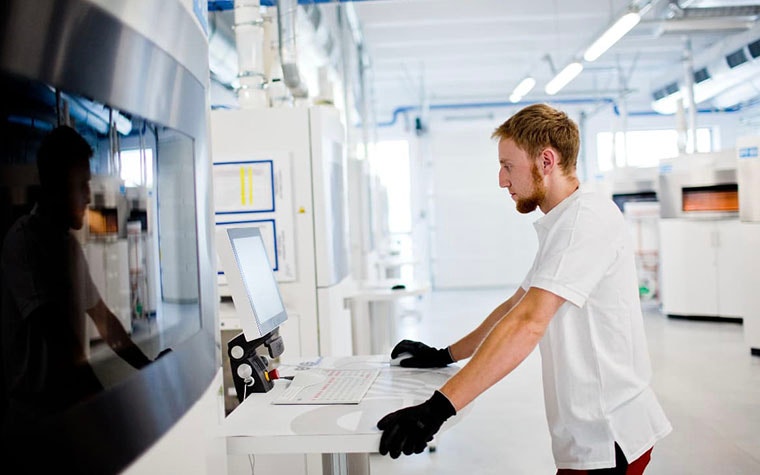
<point x="618" y="29"/>
<point x="525" y="86"/>
<point x="563" y="78"/>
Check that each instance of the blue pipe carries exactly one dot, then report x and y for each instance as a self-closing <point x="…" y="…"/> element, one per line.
<point x="726" y="110"/>
<point x="478" y="105"/>
<point x="221" y="5"/>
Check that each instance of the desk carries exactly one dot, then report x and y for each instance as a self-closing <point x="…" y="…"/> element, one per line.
<point x="344" y="434"/>
<point x="372" y="332"/>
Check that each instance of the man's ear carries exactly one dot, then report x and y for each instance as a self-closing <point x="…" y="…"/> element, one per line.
<point x="549" y="159"/>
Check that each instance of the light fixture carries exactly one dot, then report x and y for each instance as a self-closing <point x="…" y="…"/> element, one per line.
<point x="563" y="78"/>
<point x="525" y="86"/>
<point x="623" y="25"/>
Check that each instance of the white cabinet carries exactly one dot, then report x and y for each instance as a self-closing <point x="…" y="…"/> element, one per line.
<point x="750" y="274"/>
<point x="701" y="262"/>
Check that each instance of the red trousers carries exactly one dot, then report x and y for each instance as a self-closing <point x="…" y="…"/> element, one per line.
<point x="622" y="467"/>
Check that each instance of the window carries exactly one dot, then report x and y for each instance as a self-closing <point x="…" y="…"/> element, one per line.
<point x="132" y="168"/>
<point x="643" y="148"/>
<point x="390" y="162"/>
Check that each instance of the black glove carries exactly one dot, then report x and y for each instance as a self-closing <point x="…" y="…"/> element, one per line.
<point x="423" y="356"/>
<point x="409" y="430"/>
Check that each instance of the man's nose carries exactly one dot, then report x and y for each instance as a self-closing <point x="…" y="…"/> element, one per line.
<point x="503" y="180"/>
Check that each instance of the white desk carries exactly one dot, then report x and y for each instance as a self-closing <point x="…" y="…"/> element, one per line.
<point x="371" y="332"/>
<point x="259" y="427"/>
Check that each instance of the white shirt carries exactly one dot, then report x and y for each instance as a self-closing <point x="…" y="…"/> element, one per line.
<point x="595" y="361"/>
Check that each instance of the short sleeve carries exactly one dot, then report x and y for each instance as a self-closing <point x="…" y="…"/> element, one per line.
<point x="575" y="258"/>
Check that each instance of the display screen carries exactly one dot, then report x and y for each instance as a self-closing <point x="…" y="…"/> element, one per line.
<point x="258" y="278"/>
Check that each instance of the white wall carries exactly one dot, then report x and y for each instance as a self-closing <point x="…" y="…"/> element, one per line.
<point x="479" y="239"/>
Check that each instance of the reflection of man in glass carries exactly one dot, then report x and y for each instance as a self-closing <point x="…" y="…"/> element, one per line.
<point x="47" y="289"/>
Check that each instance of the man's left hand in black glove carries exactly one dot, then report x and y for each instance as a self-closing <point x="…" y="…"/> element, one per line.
<point x="409" y="430"/>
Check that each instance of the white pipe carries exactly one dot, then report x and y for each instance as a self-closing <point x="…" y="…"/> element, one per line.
<point x="286" y="19"/>
<point x="249" y="37"/>
<point x="688" y="63"/>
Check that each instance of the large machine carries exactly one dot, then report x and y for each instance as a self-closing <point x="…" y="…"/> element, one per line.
<point x="107" y="69"/>
<point x="748" y="167"/>
<point x="700" y="246"/>
<point x="283" y="170"/>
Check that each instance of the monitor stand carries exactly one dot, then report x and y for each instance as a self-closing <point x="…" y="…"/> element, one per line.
<point x="250" y="369"/>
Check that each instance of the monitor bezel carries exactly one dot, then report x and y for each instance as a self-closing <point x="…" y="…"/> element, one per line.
<point x="252" y="325"/>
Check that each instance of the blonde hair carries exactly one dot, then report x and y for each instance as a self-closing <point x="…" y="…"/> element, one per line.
<point x="538" y="126"/>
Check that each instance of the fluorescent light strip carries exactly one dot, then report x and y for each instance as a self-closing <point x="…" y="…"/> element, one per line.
<point x="624" y="24"/>
<point x="525" y="86"/>
<point x="563" y="78"/>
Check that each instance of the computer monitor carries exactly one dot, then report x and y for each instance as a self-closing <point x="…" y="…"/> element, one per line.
<point x="253" y="287"/>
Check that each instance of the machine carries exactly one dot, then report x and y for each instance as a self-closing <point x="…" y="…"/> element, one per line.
<point x="259" y="306"/>
<point x="748" y="167"/>
<point x="700" y="245"/>
<point x="283" y="170"/>
<point x="98" y="67"/>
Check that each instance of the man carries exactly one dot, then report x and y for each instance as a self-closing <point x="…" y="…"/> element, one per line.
<point x="46" y="291"/>
<point x="579" y="303"/>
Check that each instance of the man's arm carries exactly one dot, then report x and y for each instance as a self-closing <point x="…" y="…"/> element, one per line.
<point x="466" y="347"/>
<point x="118" y="339"/>
<point x="509" y="342"/>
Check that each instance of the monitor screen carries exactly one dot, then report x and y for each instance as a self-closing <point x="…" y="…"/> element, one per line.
<point x="252" y="282"/>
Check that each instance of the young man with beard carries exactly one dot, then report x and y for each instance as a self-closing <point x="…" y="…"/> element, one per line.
<point x="47" y="291"/>
<point x="579" y="302"/>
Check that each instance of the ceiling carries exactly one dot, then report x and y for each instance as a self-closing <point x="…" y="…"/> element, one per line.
<point x="477" y="51"/>
<point x="463" y="54"/>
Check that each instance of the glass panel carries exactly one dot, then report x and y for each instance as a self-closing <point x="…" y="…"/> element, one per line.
<point x="99" y="259"/>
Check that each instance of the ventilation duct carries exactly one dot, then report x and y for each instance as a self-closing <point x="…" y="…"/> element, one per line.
<point x="725" y="74"/>
<point x="286" y="20"/>
<point x="712" y="12"/>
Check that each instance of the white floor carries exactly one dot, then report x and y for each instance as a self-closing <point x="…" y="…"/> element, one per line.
<point x="704" y="376"/>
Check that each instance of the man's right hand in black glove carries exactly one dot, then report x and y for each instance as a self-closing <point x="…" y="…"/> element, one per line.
<point x="423" y="356"/>
<point x="409" y="430"/>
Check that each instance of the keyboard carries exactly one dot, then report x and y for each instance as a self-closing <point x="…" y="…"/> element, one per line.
<point x="328" y="386"/>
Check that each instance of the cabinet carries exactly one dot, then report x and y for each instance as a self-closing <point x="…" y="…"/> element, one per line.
<point x="750" y="295"/>
<point x="701" y="267"/>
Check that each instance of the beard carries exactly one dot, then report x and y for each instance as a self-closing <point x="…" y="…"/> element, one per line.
<point x="530" y="203"/>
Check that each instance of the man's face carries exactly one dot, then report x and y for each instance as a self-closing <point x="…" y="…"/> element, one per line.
<point x="520" y="175"/>
<point x="77" y="196"/>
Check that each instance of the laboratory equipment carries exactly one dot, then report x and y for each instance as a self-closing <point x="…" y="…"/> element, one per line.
<point x="106" y="248"/>
<point x="159" y="72"/>
<point x="634" y="191"/>
<point x="259" y="306"/>
<point x="700" y="244"/>
<point x="748" y="166"/>
<point x="284" y="170"/>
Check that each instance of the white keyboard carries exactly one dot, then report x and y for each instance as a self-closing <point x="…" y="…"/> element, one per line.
<point x="328" y="386"/>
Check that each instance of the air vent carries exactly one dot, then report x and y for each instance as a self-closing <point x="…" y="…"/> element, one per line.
<point x="754" y="49"/>
<point x="701" y="75"/>
<point x="659" y="94"/>
<point x="671" y="88"/>
<point x="736" y="58"/>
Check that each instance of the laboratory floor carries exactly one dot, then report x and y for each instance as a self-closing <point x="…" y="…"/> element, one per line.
<point x="704" y="376"/>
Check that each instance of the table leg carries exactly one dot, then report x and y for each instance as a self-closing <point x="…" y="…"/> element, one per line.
<point x="345" y="464"/>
